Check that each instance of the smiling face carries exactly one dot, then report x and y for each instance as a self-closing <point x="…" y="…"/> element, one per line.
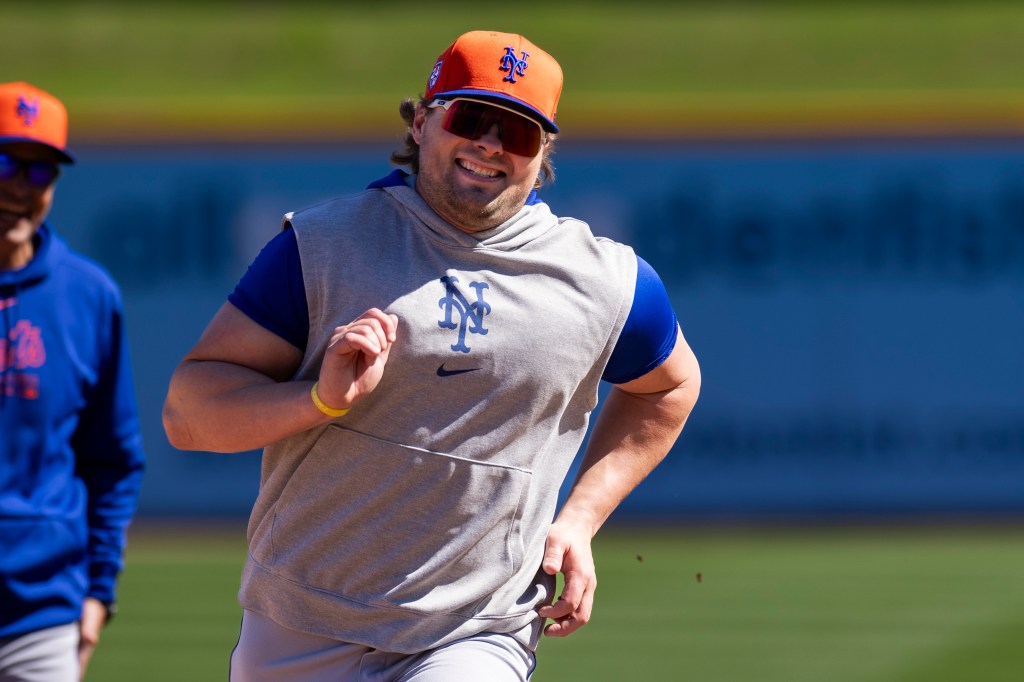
<point x="23" y="206"/>
<point x="473" y="184"/>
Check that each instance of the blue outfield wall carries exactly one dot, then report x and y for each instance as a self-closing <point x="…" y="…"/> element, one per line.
<point x="857" y="307"/>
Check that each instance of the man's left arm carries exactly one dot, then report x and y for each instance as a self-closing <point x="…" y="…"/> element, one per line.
<point x="110" y="461"/>
<point x="636" y="427"/>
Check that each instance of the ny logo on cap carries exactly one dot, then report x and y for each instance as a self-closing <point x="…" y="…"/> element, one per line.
<point x="515" y="67"/>
<point x="28" y="111"/>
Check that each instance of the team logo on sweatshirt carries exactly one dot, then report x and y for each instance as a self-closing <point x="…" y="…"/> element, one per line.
<point x="22" y="350"/>
<point x="470" y="314"/>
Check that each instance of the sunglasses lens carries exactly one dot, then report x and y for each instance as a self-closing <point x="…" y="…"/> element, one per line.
<point x="472" y="120"/>
<point x="519" y="135"/>
<point x="42" y="174"/>
<point x="8" y="166"/>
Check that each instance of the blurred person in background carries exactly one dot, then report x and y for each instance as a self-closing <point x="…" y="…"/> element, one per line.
<point x="71" y="455"/>
<point x="420" y="363"/>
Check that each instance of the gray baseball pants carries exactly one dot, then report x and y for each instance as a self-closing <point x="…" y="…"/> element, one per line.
<point x="267" y="652"/>
<point x="48" y="655"/>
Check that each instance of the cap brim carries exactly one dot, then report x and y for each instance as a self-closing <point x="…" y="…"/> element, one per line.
<point x="63" y="155"/>
<point x="505" y="100"/>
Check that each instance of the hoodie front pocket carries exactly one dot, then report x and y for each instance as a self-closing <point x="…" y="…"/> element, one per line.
<point x="386" y="524"/>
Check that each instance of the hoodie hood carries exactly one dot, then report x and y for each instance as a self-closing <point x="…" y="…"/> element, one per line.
<point x="48" y="250"/>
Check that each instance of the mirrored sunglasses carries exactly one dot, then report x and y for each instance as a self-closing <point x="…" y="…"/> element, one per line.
<point x="472" y="120"/>
<point x="40" y="174"/>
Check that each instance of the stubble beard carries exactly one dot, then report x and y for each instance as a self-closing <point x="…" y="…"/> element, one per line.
<point x="469" y="208"/>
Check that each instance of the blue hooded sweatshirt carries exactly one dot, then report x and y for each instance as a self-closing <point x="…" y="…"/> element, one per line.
<point x="71" y="454"/>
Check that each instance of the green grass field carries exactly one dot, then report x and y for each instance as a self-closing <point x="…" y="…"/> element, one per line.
<point x="223" y="69"/>
<point x="771" y="605"/>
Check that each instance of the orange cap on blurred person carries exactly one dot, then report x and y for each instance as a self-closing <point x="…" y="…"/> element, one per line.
<point x="28" y="114"/>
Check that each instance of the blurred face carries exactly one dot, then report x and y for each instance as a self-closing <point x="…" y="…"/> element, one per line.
<point x="474" y="184"/>
<point x="25" y="199"/>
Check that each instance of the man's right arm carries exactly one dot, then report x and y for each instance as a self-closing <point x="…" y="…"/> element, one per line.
<point x="232" y="393"/>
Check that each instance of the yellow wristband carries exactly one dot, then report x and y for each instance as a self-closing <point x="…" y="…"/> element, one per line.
<point x="322" y="406"/>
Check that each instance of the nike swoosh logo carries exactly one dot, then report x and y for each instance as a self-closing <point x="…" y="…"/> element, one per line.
<point x="442" y="372"/>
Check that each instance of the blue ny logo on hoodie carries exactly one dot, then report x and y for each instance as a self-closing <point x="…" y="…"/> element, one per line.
<point x="471" y="315"/>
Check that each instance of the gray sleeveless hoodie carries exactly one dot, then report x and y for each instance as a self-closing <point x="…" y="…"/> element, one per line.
<point x="420" y="517"/>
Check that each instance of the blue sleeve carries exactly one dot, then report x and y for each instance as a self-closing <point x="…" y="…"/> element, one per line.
<point x="109" y="458"/>
<point x="272" y="293"/>
<point x="649" y="335"/>
<point x="395" y="179"/>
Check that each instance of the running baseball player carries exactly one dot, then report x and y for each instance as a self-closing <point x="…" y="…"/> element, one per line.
<point x="419" y="363"/>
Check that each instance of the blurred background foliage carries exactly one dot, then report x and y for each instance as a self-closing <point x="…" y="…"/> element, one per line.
<point x="304" y="69"/>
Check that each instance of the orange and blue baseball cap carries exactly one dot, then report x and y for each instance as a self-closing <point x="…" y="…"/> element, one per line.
<point x="505" y="68"/>
<point x="28" y="114"/>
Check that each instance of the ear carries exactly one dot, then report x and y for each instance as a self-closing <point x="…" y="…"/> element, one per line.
<point x="418" y="121"/>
